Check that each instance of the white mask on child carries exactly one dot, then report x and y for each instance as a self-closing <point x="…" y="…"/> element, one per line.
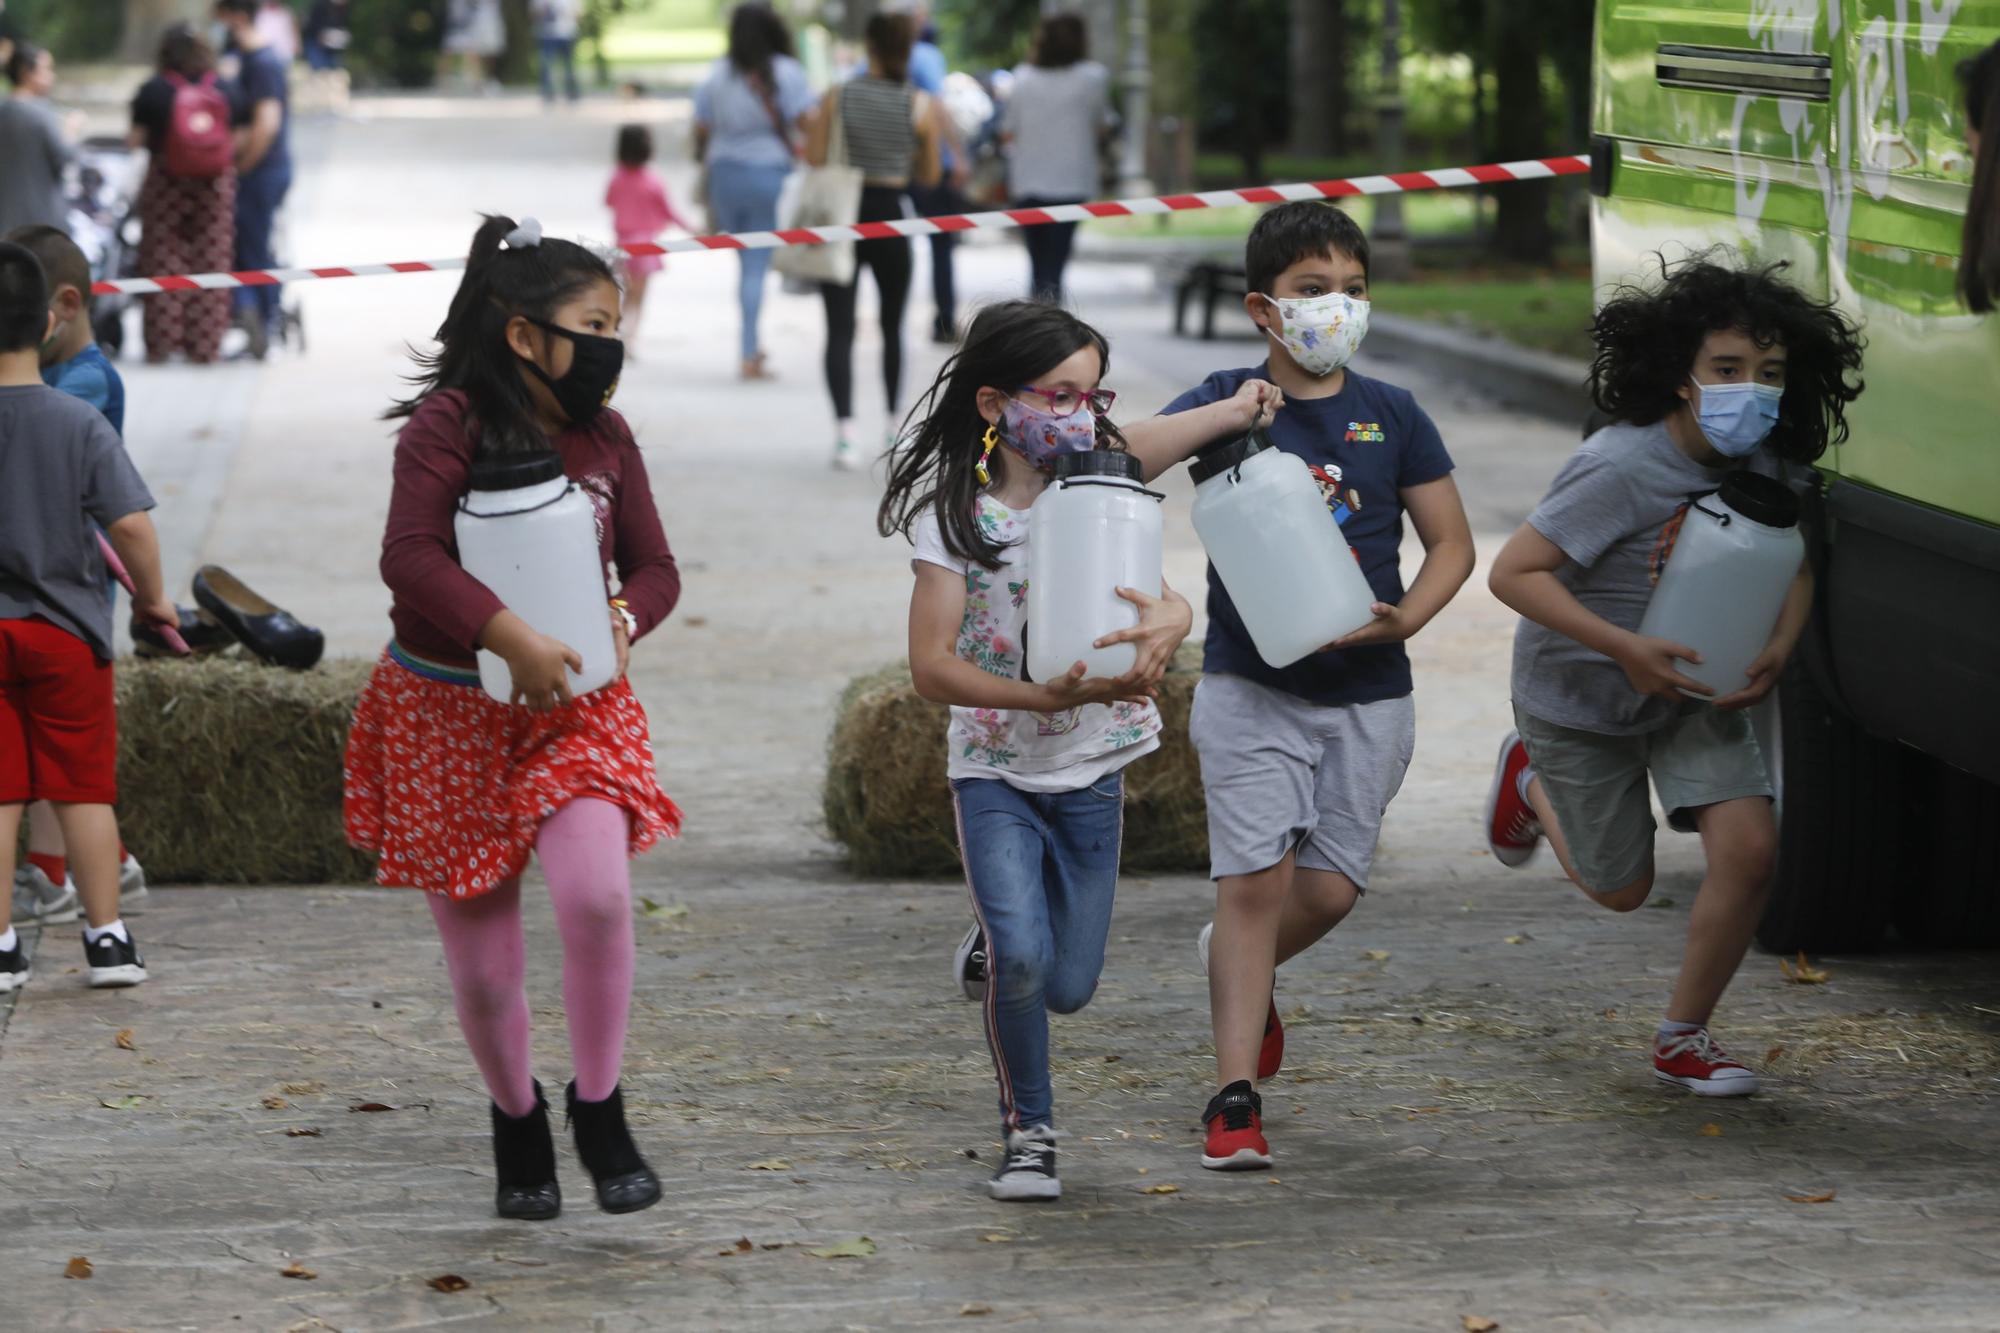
<point x="1321" y="332"/>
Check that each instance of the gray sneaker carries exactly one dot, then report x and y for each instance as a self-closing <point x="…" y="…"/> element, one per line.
<point x="38" y="900"/>
<point x="132" y="890"/>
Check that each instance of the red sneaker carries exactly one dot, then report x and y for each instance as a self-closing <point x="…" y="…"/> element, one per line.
<point x="1512" y="830"/>
<point x="1235" y="1119"/>
<point x="1696" y="1062"/>
<point x="1271" y="1055"/>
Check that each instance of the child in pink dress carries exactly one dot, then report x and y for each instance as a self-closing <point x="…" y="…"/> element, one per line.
<point x="640" y="211"/>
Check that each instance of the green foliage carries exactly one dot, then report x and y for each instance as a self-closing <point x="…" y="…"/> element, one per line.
<point x="395" y="42"/>
<point x="1241" y="63"/>
<point x="73" y="29"/>
<point x="981" y="33"/>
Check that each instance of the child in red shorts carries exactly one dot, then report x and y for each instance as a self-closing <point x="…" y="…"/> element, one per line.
<point x="61" y="467"/>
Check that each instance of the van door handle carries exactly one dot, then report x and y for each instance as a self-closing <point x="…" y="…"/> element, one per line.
<point x="1728" y="69"/>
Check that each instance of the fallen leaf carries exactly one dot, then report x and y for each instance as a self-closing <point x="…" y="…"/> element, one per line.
<point x="694" y="622"/>
<point x="742" y="1246"/>
<point x="299" y="1271"/>
<point x="997" y="1238"/>
<point x="1812" y="1198"/>
<point x="124" y="1039"/>
<point x="301" y="1089"/>
<point x="772" y="1245"/>
<point x="1805" y="974"/>
<point x="971" y="1308"/>
<point x="78" y="1267"/>
<point x="276" y="1104"/>
<point x="1161" y="1189"/>
<point x="859" y="1248"/>
<point x="1376" y="955"/>
<point x="372" y="1106"/>
<point x="1659" y="904"/>
<point x="448" y="1282"/>
<point x="1478" y="1323"/>
<point x="661" y="911"/>
<point x="770" y="1164"/>
<point x="1511" y="939"/>
<point x="125" y="1103"/>
<point x="1711" y="1131"/>
<point x="301" y="1132"/>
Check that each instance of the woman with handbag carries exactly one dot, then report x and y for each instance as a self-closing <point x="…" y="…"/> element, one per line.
<point x="880" y="127"/>
<point x="745" y="118"/>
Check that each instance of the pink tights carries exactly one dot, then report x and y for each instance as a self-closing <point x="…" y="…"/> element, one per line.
<point x="582" y="851"/>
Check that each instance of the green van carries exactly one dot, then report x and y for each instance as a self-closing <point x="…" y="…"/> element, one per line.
<point x="1831" y="133"/>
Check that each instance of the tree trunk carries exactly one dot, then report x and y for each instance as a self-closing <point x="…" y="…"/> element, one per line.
<point x="1521" y="229"/>
<point x="1319" y="78"/>
<point x="146" y="20"/>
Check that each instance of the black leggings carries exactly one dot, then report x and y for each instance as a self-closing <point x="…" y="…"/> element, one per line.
<point x="1049" y="247"/>
<point x="890" y="262"/>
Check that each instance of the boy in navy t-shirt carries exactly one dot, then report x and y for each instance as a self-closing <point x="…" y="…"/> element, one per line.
<point x="1299" y="763"/>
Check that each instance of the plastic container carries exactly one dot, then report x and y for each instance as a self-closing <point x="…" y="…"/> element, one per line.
<point x="1277" y="549"/>
<point x="1096" y="529"/>
<point x="528" y="533"/>
<point x="1725" y="581"/>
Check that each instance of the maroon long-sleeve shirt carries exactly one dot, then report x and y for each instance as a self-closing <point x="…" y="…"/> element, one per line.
<point x="440" y="609"/>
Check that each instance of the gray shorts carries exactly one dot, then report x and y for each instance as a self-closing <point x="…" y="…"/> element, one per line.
<point x="1597" y="784"/>
<point x="1283" y="773"/>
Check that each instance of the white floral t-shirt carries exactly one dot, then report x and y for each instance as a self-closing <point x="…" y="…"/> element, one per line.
<point x="1032" y="751"/>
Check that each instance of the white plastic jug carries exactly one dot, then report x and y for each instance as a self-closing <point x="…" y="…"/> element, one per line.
<point x="1094" y="530"/>
<point x="1277" y="549"/>
<point x="1726" y="578"/>
<point x="528" y="533"/>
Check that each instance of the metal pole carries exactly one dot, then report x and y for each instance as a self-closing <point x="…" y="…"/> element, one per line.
<point x="1138" y="115"/>
<point x="1391" y="242"/>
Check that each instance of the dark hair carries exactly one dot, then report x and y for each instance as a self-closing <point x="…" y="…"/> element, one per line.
<point x="473" y="355"/>
<point x="890" y="37"/>
<point x="635" y="145"/>
<point x="27" y="56"/>
<point x="63" y="265"/>
<point x="241" y="8"/>
<point x="1648" y="338"/>
<point x="24" y="299"/>
<point x="1061" y="40"/>
<point x="757" y="36"/>
<point x="934" y="462"/>
<point x="1979" y="252"/>
<point x="185" y="52"/>
<point x="1303" y="229"/>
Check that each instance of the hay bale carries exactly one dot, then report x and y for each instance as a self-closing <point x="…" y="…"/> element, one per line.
<point x="229" y="770"/>
<point x="886" y="800"/>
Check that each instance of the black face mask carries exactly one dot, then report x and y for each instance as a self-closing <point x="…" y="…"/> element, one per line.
<point x="586" y="388"/>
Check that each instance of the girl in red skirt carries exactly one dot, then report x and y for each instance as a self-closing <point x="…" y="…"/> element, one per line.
<point x="454" y="790"/>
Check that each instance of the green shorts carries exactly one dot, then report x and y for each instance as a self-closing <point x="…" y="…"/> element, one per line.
<point x="1597" y="785"/>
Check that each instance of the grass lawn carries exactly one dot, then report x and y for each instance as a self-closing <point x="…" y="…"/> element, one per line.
<point x="1550" y="313"/>
<point x="667" y="32"/>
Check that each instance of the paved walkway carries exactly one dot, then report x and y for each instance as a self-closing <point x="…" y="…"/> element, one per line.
<point x="1466" y="1126"/>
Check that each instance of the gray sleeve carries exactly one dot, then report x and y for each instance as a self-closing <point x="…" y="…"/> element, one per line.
<point x="60" y="150"/>
<point x="1590" y="507"/>
<point x="112" y="487"/>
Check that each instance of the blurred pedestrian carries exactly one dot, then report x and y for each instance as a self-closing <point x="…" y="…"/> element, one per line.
<point x="263" y="162"/>
<point x="476" y="32"/>
<point x="279" y="27"/>
<point x="555" y="38"/>
<point x="928" y="72"/>
<point x="1055" y="124"/>
<point x="1979" y="251"/>
<point x="748" y="117"/>
<point x="640" y="211"/>
<point x="187" y="206"/>
<point x="35" y="144"/>
<point x="892" y="135"/>
<point x="327" y="35"/>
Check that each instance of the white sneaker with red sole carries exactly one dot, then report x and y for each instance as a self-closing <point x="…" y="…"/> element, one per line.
<point x="1512" y="830"/>
<point x="1696" y="1062"/>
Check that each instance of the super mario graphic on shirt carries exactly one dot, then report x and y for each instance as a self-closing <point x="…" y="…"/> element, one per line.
<point x="1343" y="501"/>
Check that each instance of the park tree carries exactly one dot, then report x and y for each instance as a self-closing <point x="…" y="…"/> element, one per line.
<point x="1323" y="41"/>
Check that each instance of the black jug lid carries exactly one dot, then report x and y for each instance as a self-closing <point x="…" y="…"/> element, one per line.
<point x="1761" y="499"/>
<point x="513" y="472"/>
<point x="1219" y="458"/>
<point x="1099" y="463"/>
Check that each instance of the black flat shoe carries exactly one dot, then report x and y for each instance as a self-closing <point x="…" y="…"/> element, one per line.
<point x="202" y="633"/>
<point x="625" y="1184"/>
<point x="524" y="1161"/>
<point x="269" y="631"/>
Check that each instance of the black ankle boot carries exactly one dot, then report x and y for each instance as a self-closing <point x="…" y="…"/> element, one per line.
<point x="625" y="1184"/>
<point x="524" y="1159"/>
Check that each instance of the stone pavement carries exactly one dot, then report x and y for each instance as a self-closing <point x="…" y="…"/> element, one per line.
<point x="1466" y="1125"/>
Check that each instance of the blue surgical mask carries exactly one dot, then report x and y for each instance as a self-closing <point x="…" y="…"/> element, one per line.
<point x="1737" y="418"/>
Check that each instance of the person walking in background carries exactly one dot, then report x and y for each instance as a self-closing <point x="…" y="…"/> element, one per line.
<point x="928" y="72"/>
<point x="35" y="144"/>
<point x="1054" y="127"/>
<point x="555" y="39"/>
<point x="1979" y="250"/>
<point x="187" y="206"/>
<point x="640" y="211"/>
<point x="263" y="163"/>
<point x="747" y="114"/>
<point x="327" y="35"/>
<point x="475" y="31"/>
<point x="892" y="135"/>
<point x="279" y="27"/>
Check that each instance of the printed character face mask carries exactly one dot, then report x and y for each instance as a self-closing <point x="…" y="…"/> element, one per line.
<point x="1737" y="418"/>
<point x="1040" y="436"/>
<point x="586" y="387"/>
<point x="1321" y="332"/>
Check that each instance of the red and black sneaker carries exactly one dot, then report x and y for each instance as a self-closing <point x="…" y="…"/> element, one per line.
<point x="1235" y="1119"/>
<point x="1698" y="1063"/>
<point x="1271" y="1055"/>
<point x="1512" y="830"/>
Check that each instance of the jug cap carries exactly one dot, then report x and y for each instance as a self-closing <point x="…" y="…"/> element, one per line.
<point x="1099" y="463"/>
<point x="513" y="472"/>
<point x="1760" y="499"/>
<point x="1217" y="459"/>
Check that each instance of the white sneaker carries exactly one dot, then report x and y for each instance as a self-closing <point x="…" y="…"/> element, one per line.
<point x="1029" y="1169"/>
<point x="132" y="889"/>
<point x="38" y="900"/>
<point x="968" y="965"/>
<point x="15" y="966"/>
<point x="843" y="457"/>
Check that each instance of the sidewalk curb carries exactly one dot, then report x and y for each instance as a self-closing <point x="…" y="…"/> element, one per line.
<point x="1539" y="382"/>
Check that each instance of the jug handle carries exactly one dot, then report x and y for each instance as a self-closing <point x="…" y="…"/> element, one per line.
<point x="1068" y="482"/>
<point x="509" y="513"/>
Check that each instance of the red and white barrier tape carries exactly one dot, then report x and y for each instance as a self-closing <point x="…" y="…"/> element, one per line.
<point x="1448" y="178"/>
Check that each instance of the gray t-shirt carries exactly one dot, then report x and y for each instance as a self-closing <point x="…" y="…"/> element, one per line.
<point x="33" y="153"/>
<point x="1611" y="509"/>
<point x="61" y="466"/>
<point x="1056" y="117"/>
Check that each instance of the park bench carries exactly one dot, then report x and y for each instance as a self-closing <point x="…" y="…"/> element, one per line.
<point x="1211" y="280"/>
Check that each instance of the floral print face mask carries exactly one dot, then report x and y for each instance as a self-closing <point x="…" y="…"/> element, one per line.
<point x="1321" y="332"/>
<point x="1040" y="436"/>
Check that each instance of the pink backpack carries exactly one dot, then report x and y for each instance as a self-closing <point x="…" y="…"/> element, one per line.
<point x="198" y="142"/>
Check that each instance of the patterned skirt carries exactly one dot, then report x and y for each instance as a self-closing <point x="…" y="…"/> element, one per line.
<point x="450" y="787"/>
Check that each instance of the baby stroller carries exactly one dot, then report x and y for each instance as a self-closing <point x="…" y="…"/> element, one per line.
<point x="104" y="222"/>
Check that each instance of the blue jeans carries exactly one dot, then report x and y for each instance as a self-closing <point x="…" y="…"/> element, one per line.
<point x="559" y="51"/>
<point x="743" y="196"/>
<point x="258" y="196"/>
<point x="1042" y="867"/>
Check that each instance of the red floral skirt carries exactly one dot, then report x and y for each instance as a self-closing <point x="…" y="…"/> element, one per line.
<point x="449" y="787"/>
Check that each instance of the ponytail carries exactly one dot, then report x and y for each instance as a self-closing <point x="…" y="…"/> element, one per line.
<point x="1979" y="252"/>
